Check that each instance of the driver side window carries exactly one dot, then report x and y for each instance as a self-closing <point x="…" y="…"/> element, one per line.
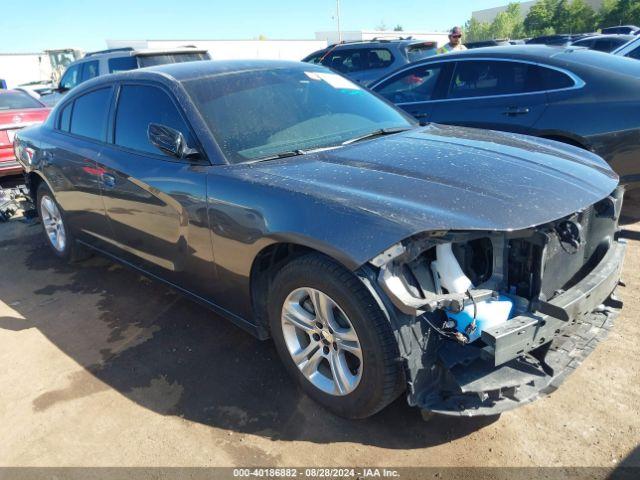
<point x="140" y="105"/>
<point x="415" y="85"/>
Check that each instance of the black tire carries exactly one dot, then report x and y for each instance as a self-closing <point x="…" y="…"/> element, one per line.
<point x="382" y="377"/>
<point x="72" y="251"/>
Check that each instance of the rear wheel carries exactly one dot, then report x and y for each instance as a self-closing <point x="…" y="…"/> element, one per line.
<point x="56" y="231"/>
<point x="333" y="337"/>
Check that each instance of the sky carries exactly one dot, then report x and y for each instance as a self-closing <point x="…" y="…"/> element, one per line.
<point x="36" y="25"/>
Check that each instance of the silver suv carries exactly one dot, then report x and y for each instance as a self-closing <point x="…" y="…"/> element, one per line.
<point x="117" y="60"/>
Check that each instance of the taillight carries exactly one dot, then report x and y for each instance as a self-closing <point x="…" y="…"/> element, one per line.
<point x="23" y="154"/>
<point x="4" y="138"/>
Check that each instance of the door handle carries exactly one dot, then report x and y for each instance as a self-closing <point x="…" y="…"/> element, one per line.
<point x="513" y="111"/>
<point x="419" y="114"/>
<point x="108" y="180"/>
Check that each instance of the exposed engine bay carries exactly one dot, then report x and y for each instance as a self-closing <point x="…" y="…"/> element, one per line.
<point x="487" y="310"/>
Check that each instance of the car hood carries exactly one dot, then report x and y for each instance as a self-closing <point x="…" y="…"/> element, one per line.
<point x="451" y="178"/>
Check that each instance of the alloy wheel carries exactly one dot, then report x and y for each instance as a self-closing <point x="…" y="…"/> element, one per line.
<point x="53" y="225"/>
<point x="322" y="341"/>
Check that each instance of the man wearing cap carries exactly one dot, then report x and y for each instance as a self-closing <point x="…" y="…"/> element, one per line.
<point x="455" y="42"/>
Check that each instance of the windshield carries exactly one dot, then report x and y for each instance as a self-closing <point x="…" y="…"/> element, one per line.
<point x="17" y="100"/>
<point x="165" y="58"/>
<point x="260" y="113"/>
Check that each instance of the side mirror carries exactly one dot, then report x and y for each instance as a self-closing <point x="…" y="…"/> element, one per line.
<point x="170" y="141"/>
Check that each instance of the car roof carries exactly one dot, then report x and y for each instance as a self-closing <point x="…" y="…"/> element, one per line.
<point x="131" y="52"/>
<point x="186" y="71"/>
<point x="566" y="57"/>
<point x="622" y="36"/>
<point x="508" y="51"/>
<point x="621" y="26"/>
<point x="380" y="43"/>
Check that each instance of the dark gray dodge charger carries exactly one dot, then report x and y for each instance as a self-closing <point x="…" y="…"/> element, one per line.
<point x="470" y="269"/>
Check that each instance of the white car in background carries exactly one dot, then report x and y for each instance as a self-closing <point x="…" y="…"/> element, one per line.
<point x="630" y="49"/>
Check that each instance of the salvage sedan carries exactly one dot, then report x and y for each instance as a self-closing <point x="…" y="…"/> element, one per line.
<point x="471" y="269"/>
<point x="581" y="97"/>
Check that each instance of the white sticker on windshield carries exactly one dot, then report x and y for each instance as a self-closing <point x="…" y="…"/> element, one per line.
<point x="336" y="81"/>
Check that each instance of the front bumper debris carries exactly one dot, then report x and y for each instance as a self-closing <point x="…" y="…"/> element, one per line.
<point x="531" y="358"/>
<point x="526" y="332"/>
<point x="476" y="387"/>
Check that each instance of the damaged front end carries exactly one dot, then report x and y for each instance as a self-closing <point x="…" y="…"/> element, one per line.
<point x="487" y="321"/>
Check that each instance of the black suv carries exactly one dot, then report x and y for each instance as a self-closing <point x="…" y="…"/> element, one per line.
<point x="370" y="60"/>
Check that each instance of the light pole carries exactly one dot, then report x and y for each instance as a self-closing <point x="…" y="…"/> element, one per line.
<point x="338" y="19"/>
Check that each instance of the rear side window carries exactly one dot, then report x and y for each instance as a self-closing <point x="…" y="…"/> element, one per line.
<point x="122" y="64"/>
<point x="584" y="43"/>
<point x="488" y="78"/>
<point x="316" y="59"/>
<point x="163" y="59"/>
<point x="64" y="123"/>
<point x="415" y="85"/>
<point x="89" y="70"/>
<point x="90" y="112"/>
<point x="606" y="45"/>
<point x="71" y="77"/>
<point x="140" y="105"/>
<point x="420" y="51"/>
<point x="551" y="79"/>
<point x="356" y="60"/>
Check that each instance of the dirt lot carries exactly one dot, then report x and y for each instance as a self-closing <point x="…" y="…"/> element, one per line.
<point x="101" y="367"/>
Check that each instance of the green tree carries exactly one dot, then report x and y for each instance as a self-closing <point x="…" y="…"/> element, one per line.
<point x="508" y="24"/>
<point x="475" y="31"/>
<point x="398" y="28"/>
<point x="619" y="12"/>
<point x="540" y="19"/>
<point x="561" y="20"/>
<point x="582" y="17"/>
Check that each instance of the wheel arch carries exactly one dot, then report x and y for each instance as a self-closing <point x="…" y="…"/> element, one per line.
<point x="33" y="180"/>
<point x="267" y="263"/>
<point x="567" y="138"/>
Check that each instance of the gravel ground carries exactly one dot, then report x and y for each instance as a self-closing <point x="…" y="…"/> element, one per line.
<point x="100" y="367"/>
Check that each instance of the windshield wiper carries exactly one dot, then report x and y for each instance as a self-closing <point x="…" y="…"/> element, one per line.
<point x="376" y="133"/>
<point x="292" y="153"/>
<point x="275" y="156"/>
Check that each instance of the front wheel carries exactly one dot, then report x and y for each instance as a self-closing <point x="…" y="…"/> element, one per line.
<point x="333" y="337"/>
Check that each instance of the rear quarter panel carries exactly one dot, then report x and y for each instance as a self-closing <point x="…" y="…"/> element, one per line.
<point x="603" y="116"/>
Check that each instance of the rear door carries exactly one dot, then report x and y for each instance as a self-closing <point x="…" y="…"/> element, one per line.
<point x="492" y="94"/>
<point x="414" y="89"/>
<point x="156" y="203"/>
<point x="80" y="130"/>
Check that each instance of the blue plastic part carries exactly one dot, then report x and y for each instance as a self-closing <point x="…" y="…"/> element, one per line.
<point x="490" y="313"/>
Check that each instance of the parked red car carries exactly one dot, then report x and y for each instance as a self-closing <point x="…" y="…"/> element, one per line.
<point x="17" y="110"/>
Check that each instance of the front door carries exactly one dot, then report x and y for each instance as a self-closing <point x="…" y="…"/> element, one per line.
<point x="414" y="89"/>
<point x="156" y="203"/>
